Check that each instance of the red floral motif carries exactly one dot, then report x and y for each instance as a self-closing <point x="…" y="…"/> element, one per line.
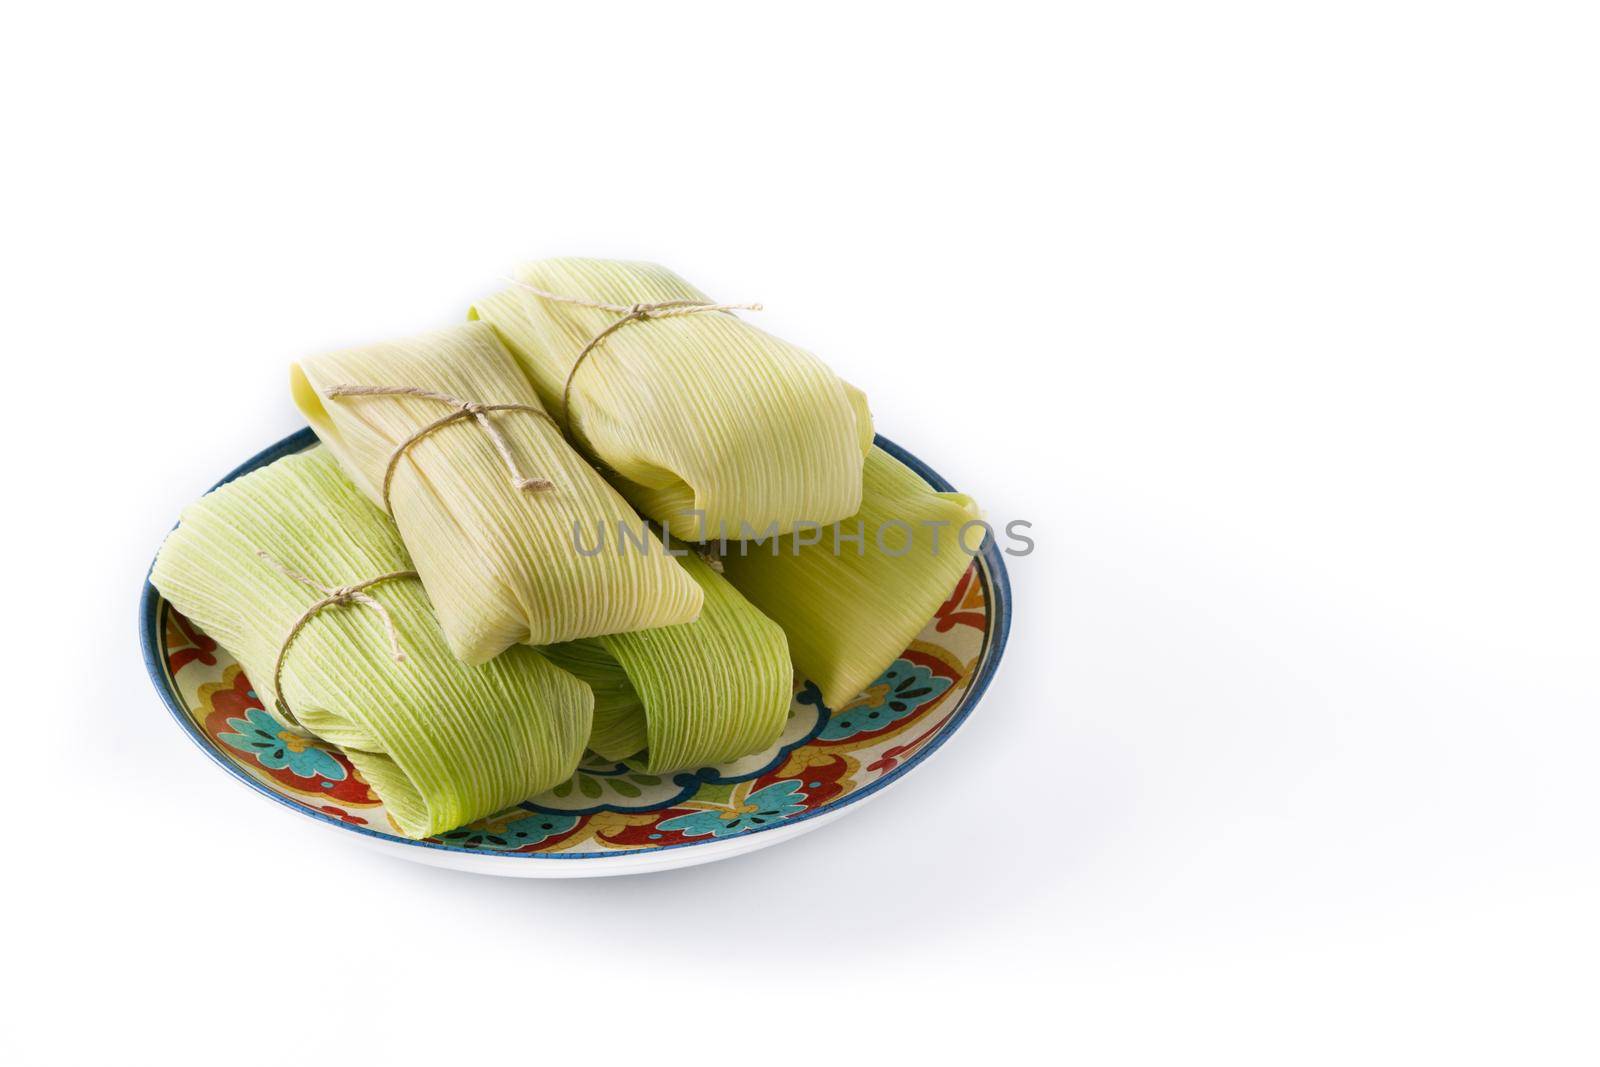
<point x="186" y="645"/>
<point x="555" y="842"/>
<point x="342" y="815"/>
<point x="644" y="835"/>
<point x="892" y="755"/>
<point x="819" y="778"/>
<point x="965" y="607"/>
<point x="232" y="699"/>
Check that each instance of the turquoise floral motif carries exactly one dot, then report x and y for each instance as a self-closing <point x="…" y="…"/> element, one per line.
<point x="512" y="834"/>
<point x="764" y="807"/>
<point x="276" y="747"/>
<point x="898" y="692"/>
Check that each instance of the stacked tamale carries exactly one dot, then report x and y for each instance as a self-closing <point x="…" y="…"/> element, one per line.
<point x="708" y="423"/>
<point x="461" y="588"/>
<point x="519" y="580"/>
<point x="442" y="742"/>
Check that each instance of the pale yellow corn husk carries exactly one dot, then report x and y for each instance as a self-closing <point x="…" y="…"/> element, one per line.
<point x="700" y="412"/>
<point x="695" y="695"/>
<point x="442" y="743"/>
<point x="848" y="615"/>
<point x="500" y="564"/>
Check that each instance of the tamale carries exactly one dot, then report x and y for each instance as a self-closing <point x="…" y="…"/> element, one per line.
<point x="703" y="693"/>
<point x="852" y="601"/>
<point x="708" y="423"/>
<point x="619" y="729"/>
<point x="490" y="505"/>
<point x="442" y="743"/>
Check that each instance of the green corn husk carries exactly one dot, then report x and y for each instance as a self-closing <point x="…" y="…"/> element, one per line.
<point x="704" y="693"/>
<point x="442" y="743"/>
<point x="500" y="563"/>
<point x="620" y="728"/>
<point x="848" y="615"/>
<point x="694" y="412"/>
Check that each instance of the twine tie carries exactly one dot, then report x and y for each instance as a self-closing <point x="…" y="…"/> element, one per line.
<point x="627" y="313"/>
<point x="333" y="596"/>
<point x="464" y="409"/>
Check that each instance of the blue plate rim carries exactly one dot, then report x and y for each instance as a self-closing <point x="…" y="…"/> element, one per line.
<point x="996" y="582"/>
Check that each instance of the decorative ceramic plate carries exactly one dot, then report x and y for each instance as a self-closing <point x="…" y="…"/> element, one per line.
<point x="613" y="818"/>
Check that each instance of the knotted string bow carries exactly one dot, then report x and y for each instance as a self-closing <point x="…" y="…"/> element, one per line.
<point x="464" y="409"/>
<point x="629" y="313"/>
<point x="333" y="596"/>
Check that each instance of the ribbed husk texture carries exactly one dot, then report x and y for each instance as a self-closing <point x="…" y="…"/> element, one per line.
<point x="500" y="563"/>
<point x="442" y="743"/>
<point x="704" y="693"/>
<point x="849" y="613"/>
<point x="693" y="412"/>
<point x="619" y="729"/>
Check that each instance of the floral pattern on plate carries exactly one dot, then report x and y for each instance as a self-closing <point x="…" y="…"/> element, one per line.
<point x="825" y="757"/>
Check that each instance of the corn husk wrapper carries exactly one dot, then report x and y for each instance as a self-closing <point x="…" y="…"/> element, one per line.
<point x="704" y="693"/>
<point x="442" y="743"/>
<point x="501" y="564"/>
<point x="695" y="412"/>
<point x="849" y="614"/>
<point x="620" y="728"/>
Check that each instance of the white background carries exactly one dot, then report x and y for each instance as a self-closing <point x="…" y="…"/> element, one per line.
<point x="1278" y="321"/>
